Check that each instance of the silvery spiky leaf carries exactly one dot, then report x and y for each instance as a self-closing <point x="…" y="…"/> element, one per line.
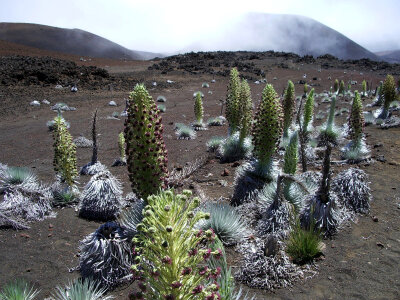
<point x="101" y="198"/>
<point x="276" y="220"/>
<point x="355" y="151"/>
<point x="62" y="106"/>
<point x="119" y="162"/>
<point x="90" y="169"/>
<point x="18" y="290"/>
<point x="214" y="142"/>
<point x="82" y="142"/>
<point x="325" y="215"/>
<point x="217" y="121"/>
<point x="199" y="125"/>
<point x="81" y="290"/>
<point x="21" y="206"/>
<point x="225" y="221"/>
<point x="233" y="149"/>
<point x="14" y="178"/>
<point x="106" y="255"/>
<point x="50" y="124"/>
<point x="185" y="133"/>
<point x="352" y="188"/>
<point x="250" y="178"/>
<point x="161" y="99"/>
<point x="269" y="272"/>
<point x="132" y="216"/>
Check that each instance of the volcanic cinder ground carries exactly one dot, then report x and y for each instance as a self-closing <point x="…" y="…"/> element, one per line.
<point x="360" y="262"/>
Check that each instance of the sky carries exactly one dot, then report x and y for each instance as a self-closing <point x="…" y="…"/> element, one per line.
<point x="169" y="26"/>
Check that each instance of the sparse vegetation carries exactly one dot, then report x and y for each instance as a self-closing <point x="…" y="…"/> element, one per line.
<point x="18" y="290"/>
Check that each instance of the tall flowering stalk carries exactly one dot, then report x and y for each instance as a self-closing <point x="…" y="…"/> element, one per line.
<point x="232" y="102"/>
<point x="245" y="107"/>
<point x="356" y="120"/>
<point x="121" y="146"/>
<point x="267" y="128"/>
<point x="289" y="107"/>
<point x="170" y="254"/>
<point x="145" y="149"/>
<point x="64" y="161"/>
<point x="198" y="110"/>
<point x="389" y="95"/>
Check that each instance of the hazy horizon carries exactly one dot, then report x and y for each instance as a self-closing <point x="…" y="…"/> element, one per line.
<point x="172" y="26"/>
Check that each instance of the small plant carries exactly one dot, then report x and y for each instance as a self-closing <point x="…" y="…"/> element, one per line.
<point x="105" y="255"/>
<point x="364" y="89"/>
<point x="64" y="197"/>
<point x="50" y="124"/>
<point x="267" y="129"/>
<point x="18" y="290"/>
<point x="82" y="142"/>
<point x="233" y="148"/>
<point x="162" y="108"/>
<point x="64" y="161"/>
<point x="101" y="198"/>
<point x="214" y="142"/>
<point x="341" y="88"/>
<point x="336" y="86"/>
<point x="185" y="133"/>
<point x="205" y="85"/>
<point x="161" y="99"/>
<point x="198" y="92"/>
<point x="169" y="252"/>
<point x="303" y="245"/>
<point x="225" y="222"/>
<point x="305" y="89"/>
<point x="81" y="290"/>
<point x="12" y="178"/>
<point x="217" y="121"/>
<point x="289" y="107"/>
<point x="115" y="115"/>
<point x="232" y="101"/>
<point x="145" y="149"/>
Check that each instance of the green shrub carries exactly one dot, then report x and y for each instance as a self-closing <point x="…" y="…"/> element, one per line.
<point x="185" y="133"/>
<point x="170" y="253"/>
<point x="303" y="244"/>
<point x="145" y="149"/>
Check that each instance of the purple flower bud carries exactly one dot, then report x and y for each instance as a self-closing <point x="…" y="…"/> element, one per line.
<point x="197" y="290"/>
<point x="186" y="271"/>
<point x="176" y="284"/>
<point x="167" y="260"/>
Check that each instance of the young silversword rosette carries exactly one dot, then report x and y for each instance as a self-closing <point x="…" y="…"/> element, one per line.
<point x="145" y="149"/>
<point x="170" y="254"/>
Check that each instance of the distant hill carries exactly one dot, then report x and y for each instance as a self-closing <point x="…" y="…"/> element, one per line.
<point x="70" y="41"/>
<point x="288" y="33"/>
<point x="392" y="56"/>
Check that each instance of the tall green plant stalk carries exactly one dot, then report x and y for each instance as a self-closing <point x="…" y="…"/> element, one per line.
<point x="232" y="102"/>
<point x="245" y="107"/>
<point x="198" y="109"/>
<point x="336" y="86"/>
<point x="289" y="106"/>
<point x="389" y="95"/>
<point x="290" y="161"/>
<point x="356" y="120"/>
<point x="267" y="128"/>
<point x="341" y="88"/>
<point x="121" y="146"/>
<point x="331" y="116"/>
<point x="145" y="149"/>
<point x="308" y="111"/>
<point x="64" y="161"/>
<point x="170" y="253"/>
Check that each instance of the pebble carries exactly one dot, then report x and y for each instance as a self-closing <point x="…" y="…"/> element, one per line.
<point x="375" y="219"/>
<point x="225" y="172"/>
<point x="25" y="235"/>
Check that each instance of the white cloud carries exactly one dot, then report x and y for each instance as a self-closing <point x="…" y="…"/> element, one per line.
<point x="166" y="26"/>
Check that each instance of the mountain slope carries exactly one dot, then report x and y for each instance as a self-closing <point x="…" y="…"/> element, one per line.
<point x="288" y="33"/>
<point x="71" y="41"/>
<point x="392" y="56"/>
